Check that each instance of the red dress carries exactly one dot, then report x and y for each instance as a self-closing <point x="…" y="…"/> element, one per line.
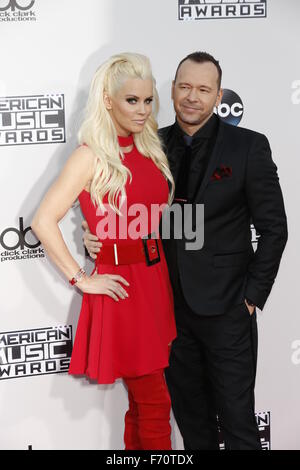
<point x="128" y="338"/>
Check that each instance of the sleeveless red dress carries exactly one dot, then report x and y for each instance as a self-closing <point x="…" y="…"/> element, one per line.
<point x="128" y="338"/>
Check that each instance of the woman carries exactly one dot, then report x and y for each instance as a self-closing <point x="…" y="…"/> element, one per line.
<point x="126" y="321"/>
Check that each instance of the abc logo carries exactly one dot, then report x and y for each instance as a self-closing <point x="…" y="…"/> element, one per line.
<point x="11" y="242"/>
<point x="231" y="108"/>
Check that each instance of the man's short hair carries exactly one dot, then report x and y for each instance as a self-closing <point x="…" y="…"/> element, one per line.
<point x="200" y="58"/>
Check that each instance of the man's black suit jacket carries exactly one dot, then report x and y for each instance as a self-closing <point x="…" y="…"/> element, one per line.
<point x="227" y="270"/>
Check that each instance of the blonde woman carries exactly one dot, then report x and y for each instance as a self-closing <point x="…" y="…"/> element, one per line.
<point x="126" y="322"/>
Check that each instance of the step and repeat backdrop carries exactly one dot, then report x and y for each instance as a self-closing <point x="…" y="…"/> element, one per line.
<point x="49" y="52"/>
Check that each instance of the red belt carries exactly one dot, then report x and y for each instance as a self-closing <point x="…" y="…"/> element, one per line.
<point x="145" y="250"/>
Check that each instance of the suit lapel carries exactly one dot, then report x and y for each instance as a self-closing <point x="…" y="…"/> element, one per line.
<point x="212" y="162"/>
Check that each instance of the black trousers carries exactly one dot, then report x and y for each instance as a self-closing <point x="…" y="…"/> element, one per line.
<point x="212" y="373"/>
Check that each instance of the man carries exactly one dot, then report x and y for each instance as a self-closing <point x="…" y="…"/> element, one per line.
<point x="216" y="289"/>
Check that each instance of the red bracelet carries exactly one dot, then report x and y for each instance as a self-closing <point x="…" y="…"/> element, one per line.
<point x="77" y="276"/>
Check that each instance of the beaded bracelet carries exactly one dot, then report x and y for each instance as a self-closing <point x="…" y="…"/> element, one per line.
<point x="77" y="276"/>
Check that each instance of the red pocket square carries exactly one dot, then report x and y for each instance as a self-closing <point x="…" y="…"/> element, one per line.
<point x="221" y="172"/>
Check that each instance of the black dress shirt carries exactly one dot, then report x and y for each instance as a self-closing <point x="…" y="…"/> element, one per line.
<point x="194" y="158"/>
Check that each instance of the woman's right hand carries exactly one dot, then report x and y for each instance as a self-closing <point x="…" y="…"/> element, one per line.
<point x="107" y="284"/>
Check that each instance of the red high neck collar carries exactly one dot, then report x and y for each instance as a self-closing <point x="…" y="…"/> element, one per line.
<point x="125" y="141"/>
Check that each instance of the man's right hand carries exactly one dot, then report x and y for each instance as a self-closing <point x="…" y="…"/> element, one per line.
<point x="90" y="241"/>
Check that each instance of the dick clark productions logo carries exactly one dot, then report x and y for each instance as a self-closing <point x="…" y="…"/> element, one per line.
<point x="216" y="9"/>
<point x="17" y="10"/>
<point x="15" y="5"/>
<point x="18" y="244"/>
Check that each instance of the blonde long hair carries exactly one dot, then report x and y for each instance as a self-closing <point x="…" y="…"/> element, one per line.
<point x="99" y="132"/>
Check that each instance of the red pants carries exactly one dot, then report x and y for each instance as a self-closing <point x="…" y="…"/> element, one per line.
<point x="147" y="422"/>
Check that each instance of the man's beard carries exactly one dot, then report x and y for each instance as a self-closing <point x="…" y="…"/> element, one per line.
<point x="192" y="121"/>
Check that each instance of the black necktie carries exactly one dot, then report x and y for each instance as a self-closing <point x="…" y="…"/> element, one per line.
<point x="181" y="185"/>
